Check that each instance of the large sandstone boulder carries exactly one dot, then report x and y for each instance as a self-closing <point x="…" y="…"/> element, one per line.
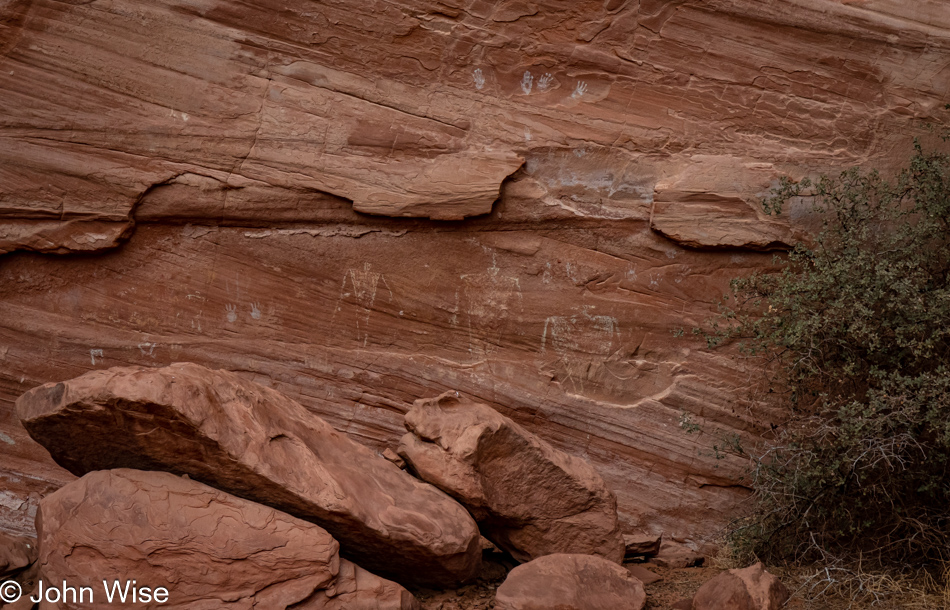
<point x="751" y="588"/>
<point x="528" y="498"/>
<point x="204" y="547"/>
<point x="570" y="582"/>
<point x="256" y="443"/>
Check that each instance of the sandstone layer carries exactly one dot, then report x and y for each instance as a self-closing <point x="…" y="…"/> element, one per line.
<point x="204" y="547"/>
<point x="226" y="144"/>
<point x="528" y="498"/>
<point x="252" y="441"/>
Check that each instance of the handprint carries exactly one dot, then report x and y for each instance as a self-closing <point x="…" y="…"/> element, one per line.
<point x="527" y="81"/>
<point x="256" y="311"/>
<point x="579" y="90"/>
<point x="232" y="312"/>
<point x="479" y="78"/>
<point x="544" y="83"/>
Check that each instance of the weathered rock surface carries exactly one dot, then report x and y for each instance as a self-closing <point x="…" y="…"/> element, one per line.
<point x="570" y="582"/>
<point x="256" y="443"/>
<point x="16" y="554"/>
<point x="676" y="555"/>
<point x="207" y="548"/>
<point x="641" y="545"/>
<point x="727" y="221"/>
<point x="528" y="498"/>
<point x="262" y="125"/>
<point x="647" y="577"/>
<point x="750" y="588"/>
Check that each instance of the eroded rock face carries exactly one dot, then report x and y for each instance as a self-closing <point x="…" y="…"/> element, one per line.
<point x="423" y="110"/>
<point x="570" y="582"/>
<point x="528" y="498"/>
<point x="228" y="143"/>
<point x="205" y="547"/>
<point x="254" y="442"/>
<point x="16" y="554"/>
<point x="750" y="588"/>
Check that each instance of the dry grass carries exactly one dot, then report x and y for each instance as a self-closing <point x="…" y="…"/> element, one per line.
<point x="837" y="587"/>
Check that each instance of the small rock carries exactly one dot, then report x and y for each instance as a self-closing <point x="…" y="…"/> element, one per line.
<point x="751" y="588"/>
<point x="570" y="582"/>
<point x="674" y="555"/>
<point x="642" y="574"/>
<point x="683" y="604"/>
<point x="393" y="457"/>
<point x="641" y="545"/>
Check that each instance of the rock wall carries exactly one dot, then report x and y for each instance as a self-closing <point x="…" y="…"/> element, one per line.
<point x="365" y="203"/>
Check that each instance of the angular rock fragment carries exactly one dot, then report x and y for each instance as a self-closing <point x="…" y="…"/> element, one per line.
<point x="196" y="547"/>
<point x="393" y="457"/>
<point x="529" y="498"/>
<point x="570" y="582"/>
<point x="641" y="546"/>
<point x="256" y="443"/>
<point x="751" y="588"/>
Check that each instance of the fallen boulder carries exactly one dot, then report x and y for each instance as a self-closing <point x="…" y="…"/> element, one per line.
<point x="570" y="582"/>
<point x="751" y="588"/>
<point x="528" y="498"/>
<point x="258" y="444"/>
<point x="194" y="547"/>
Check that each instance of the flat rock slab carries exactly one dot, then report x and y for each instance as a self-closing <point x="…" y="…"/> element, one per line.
<point x="750" y="588"/>
<point x="256" y="443"/>
<point x="528" y="498"/>
<point x="570" y="582"/>
<point x="206" y="548"/>
<point x="642" y="574"/>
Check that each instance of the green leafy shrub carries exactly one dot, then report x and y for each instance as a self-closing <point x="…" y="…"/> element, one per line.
<point x="858" y="324"/>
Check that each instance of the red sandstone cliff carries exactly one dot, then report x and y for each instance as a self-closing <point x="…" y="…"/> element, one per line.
<point x="253" y="155"/>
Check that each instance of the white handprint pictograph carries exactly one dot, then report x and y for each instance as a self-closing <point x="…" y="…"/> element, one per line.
<point x="527" y="82"/>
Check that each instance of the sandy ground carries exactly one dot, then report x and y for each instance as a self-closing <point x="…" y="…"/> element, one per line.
<point x="677" y="584"/>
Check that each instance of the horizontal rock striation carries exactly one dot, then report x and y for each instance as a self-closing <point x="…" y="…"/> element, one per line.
<point x="199" y="163"/>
